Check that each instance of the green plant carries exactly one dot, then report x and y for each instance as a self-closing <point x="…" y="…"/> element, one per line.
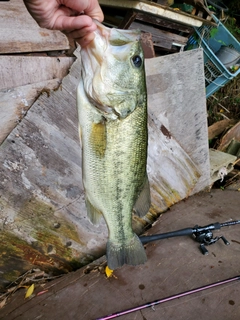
<point x="231" y="25"/>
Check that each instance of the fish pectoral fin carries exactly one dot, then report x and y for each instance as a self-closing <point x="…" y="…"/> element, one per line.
<point x="98" y="139"/>
<point x="93" y="214"/>
<point x="143" y="202"/>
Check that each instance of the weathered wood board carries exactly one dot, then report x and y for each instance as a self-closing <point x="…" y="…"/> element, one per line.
<point x="18" y="71"/>
<point x="15" y="102"/>
<point x="156" y="9"/>
<point x="160" y="37"/>
<point x="43" y="216"/>
<point x="19" y="32"/>
<point x="176" y="94"/>
<point x="22" y="78"/>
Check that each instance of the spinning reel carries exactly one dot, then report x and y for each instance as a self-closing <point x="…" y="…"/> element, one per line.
<point x="205" y="238"/>
<point x="203" y="235"/>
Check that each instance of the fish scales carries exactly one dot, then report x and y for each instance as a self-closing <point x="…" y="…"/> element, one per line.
<point x="112" y="105"/>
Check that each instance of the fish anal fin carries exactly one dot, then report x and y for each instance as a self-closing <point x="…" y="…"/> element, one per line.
<point x="93" y="214"/>
<point x="98" y="138"/>
<point x="143" y="202"/>
<point x="132" y="253"/>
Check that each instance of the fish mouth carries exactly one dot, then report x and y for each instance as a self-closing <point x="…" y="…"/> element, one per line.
<point x="105" y="37"/>
<point x="101" y="85"/>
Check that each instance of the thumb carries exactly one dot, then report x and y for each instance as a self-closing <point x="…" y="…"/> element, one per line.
<point x="94" y="10"/>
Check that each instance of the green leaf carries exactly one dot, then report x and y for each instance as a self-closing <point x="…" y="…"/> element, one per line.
<point x="213" y="32"/>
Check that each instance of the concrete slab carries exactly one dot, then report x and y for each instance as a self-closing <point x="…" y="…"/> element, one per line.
<point x="174" y="266"/>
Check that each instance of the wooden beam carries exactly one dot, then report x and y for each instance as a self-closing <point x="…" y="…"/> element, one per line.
<point x="18" y="71"/>
<point x="128" y="19"/>
<point x="160" y="37"/>
<point x="155" y="9"/>
<point x="160" y="21"/>
<point x="147" y="45"/>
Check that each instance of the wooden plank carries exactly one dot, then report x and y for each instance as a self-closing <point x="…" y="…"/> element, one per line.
<point x="128" y="19"/>
<point x="232" y="134"/>
<point x="155" y="9"/>
<point x="218" y="127"/>
<point x="19" y="32"/>
<point x="160" y="33"/>
<point x="43" y="153"/>
<point x="147" y="45"/>
<point x="160" y="21"/>
<point x="15" y="102"/>
<point x="18" y="71"/>
<point x="160" y="37"/>
<point x="173" y="89"/>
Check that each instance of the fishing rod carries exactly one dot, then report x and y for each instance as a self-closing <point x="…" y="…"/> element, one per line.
<point x="203" y="235"/>
<point x="169" y="298"/>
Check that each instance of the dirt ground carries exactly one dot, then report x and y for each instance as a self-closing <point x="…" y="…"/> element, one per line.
<point x="174" y="266"/>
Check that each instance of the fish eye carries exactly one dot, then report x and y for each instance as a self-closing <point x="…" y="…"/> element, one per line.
<point x="137" y="61"/>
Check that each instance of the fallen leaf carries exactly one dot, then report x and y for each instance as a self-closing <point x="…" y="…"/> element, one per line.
<point x="3" y="302"/>
<point x="29" y="291"/>
<point x="109" y="272"/>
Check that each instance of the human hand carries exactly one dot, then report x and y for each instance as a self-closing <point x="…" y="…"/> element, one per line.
<point x="73" y="17"/>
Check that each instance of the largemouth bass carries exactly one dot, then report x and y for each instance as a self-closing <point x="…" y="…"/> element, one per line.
<point x="112" y="106"/>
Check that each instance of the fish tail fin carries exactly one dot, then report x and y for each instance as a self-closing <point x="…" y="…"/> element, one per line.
<point x="132" y="253"/>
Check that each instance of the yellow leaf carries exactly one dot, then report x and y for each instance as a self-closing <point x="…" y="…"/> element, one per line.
<point x="29" y="291"/>
<point x="109" y="272"/>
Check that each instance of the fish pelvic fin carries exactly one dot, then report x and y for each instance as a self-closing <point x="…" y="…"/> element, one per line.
<point x="93" y="214"/>
<point x="132" y="253"/>
<point x="143" y="202"/>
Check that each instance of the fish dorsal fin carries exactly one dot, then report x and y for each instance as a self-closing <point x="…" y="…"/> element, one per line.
<point x="143" y="202"/>
<point x="93" y="214"/>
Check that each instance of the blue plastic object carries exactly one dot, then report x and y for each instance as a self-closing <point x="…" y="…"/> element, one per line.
<point x="211" y="39"/>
